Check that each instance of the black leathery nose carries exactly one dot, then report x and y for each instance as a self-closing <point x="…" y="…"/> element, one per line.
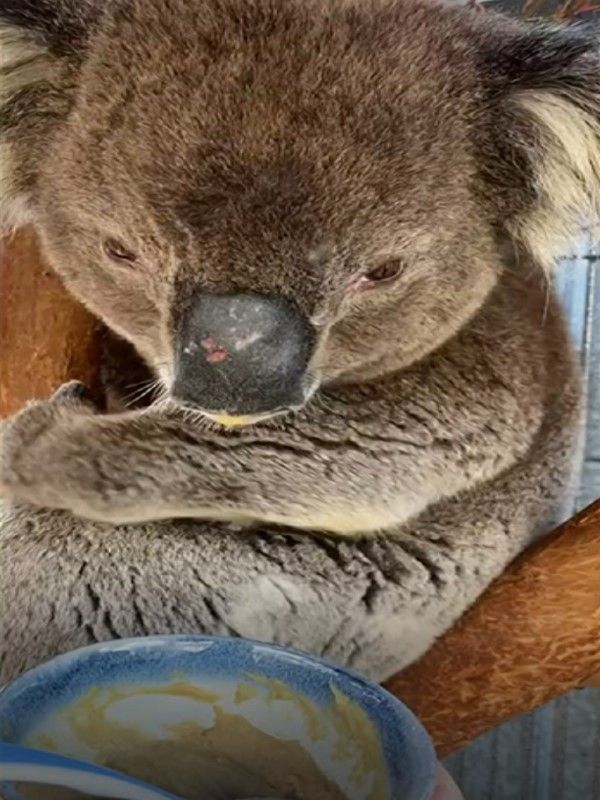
<point x="242" y="353"/>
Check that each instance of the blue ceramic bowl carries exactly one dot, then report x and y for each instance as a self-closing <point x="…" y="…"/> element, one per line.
<point x="201" y="716"/>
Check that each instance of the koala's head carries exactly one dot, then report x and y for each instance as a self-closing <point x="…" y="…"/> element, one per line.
<point x="267" y="195"/>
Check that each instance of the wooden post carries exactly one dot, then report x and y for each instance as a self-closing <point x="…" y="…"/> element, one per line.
<point x="46" y="337"/>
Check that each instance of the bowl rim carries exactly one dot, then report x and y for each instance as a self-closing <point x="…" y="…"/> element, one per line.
<point x="379" y="704"/>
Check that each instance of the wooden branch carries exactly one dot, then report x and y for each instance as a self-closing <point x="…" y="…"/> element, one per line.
<point x="534" y="635"/>
<point x="46" y="337"/>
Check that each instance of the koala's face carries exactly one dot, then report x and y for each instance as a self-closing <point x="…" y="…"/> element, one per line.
<point x="266" y="196"/>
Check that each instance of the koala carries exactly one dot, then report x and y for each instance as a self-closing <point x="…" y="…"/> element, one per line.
<point x="327" y="230"/>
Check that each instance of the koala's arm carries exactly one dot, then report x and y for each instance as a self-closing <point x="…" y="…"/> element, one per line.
<point x="359" y="460"/>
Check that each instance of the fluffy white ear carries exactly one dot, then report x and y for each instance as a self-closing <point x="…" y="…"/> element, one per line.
<point x="39" y="42"/>
<point x="544" y="84"/>
<point x="24" y="70"/>
<point x="565" y="158"/>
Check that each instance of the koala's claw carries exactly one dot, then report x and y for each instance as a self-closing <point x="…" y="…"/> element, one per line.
<point x="73" y="391"/>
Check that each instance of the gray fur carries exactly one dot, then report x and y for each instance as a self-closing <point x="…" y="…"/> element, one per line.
<point x="376" y="603"/>
<point x="440" y="442"/>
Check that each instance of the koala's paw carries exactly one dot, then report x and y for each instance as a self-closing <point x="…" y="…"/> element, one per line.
<point x="73" y="393"/>
<point x="32" y="458"/>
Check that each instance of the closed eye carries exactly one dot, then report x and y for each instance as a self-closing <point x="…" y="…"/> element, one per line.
<point x="117" y="251"/>
<point x="385" y="273"/>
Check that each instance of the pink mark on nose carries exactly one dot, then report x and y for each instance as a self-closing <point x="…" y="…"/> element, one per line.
<point x="214" y="353"/>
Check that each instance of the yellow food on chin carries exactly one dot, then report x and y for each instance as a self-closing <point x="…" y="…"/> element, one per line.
<point x="228" y="421"/>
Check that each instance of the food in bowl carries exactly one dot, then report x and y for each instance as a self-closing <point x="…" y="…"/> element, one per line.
<point x="221" y="719"/>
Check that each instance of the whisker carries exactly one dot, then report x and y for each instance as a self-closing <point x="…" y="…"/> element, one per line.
<point x="132" y="399"/>
<point x="147" y="387"/>
<point x="547" y="298"/>
<point x="137" y="385"/>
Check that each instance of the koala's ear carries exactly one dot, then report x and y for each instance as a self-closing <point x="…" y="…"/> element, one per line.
<point x="40" y="43"/>
<point x="545" y="89"/>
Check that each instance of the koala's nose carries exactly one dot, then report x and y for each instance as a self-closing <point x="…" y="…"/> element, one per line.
<point x="242" y="354"/>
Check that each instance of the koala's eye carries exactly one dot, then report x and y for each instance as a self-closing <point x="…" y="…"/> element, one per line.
<point x="118" y="252"/>
<point x="380" y="275"/>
